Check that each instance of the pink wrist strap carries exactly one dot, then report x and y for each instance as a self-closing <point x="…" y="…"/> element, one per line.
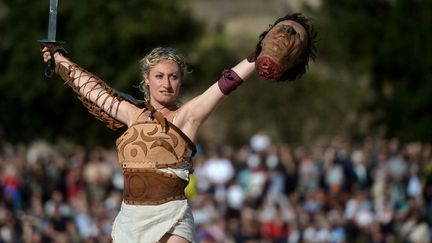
<point x="229" y="81"/>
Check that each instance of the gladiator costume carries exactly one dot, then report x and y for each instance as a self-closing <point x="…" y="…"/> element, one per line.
<point x="155" y="156"/>
<point x="146" y="147"/>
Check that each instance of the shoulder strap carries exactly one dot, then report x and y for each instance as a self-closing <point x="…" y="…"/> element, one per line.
<point x="171" y="117"/>
<point x="154" y="114"/>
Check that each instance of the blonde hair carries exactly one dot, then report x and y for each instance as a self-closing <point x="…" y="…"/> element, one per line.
<point x="155" y="56"/>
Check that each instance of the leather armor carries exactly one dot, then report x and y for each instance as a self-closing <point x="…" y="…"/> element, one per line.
<point x="143" y="149"/>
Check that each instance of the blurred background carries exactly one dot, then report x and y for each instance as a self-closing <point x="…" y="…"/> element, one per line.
<point x="341" y="154"/>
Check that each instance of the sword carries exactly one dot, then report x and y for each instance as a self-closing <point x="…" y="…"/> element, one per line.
<point x="51" y="38"/>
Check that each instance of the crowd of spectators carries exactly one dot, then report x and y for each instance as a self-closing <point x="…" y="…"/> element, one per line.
<point x="375" y="190"/>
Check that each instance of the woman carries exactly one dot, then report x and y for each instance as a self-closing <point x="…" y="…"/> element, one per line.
<point x="156" y="150"/>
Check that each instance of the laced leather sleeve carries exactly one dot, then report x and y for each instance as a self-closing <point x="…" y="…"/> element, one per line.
<point x="101" y="100"/>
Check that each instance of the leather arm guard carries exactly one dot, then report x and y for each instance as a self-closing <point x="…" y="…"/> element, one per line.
<point x="105" y="106"/>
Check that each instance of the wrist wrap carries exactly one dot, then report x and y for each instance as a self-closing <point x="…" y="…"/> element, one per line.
<point x="229" y="81"/>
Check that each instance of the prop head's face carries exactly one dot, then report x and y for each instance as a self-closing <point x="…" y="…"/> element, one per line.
<point x="282" y="48"/>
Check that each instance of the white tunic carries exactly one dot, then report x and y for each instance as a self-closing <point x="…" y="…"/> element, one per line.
<point x="149" y="223"/>
<point x="142" y="224"/>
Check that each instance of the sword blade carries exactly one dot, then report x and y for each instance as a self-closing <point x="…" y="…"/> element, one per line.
<point x="52" y="22"/>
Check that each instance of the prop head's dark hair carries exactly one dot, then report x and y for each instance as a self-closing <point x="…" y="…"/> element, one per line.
<point x="300" y="68"/>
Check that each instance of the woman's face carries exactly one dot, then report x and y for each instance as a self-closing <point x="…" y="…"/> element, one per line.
<point x="164" y="81"/>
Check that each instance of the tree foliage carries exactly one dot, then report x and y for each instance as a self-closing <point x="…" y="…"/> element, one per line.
<point x="390" y="41"/>
<point x="105" y="37"/>
<point x="374" y="67"/>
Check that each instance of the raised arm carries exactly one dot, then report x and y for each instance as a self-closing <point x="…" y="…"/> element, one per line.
<point x="282" y="54"/>
<point x="101" y="100"/>
<point x="193" y="114"/>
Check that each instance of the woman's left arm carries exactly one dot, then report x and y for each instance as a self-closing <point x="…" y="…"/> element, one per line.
<point x="194" y="112"/>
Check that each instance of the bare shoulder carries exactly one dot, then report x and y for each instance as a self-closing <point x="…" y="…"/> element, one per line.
<point x="185" y="122"/>
<point x="128" y="113"/>
<point x="181" y="115"/>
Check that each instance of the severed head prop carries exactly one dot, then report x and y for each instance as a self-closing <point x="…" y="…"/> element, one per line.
<point x="284" y="50"/>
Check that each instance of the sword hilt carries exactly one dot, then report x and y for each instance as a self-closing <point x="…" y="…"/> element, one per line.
<point x="50" y="68"/>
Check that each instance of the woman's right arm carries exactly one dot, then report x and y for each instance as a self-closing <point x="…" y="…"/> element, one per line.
<point x="101" y="100"/>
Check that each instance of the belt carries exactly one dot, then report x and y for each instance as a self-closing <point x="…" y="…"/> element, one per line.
<point x="151" y="187"/>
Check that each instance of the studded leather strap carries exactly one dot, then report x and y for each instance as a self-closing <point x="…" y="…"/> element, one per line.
<point x="152" y="187"/>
